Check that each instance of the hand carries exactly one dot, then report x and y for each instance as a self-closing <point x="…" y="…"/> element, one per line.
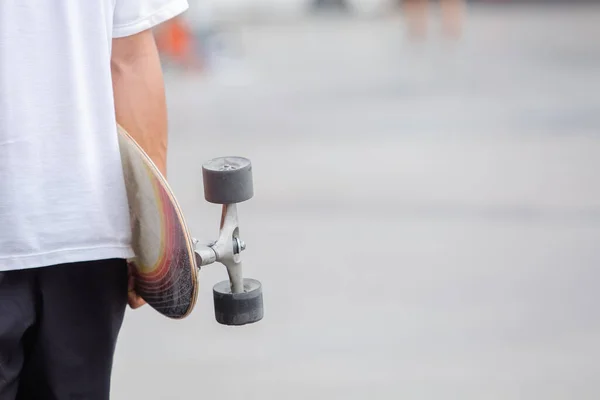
<point x="133" y="299"/>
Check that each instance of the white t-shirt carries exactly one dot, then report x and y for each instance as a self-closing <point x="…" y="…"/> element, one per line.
<point x="62" y="195"/>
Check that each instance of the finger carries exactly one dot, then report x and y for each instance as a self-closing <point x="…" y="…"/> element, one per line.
<point x="135" y="301"/>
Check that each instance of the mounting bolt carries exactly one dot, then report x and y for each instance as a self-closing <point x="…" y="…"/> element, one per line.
<point x="238" y="246"/>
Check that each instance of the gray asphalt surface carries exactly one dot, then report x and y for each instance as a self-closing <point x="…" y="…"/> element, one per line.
<point x="426" y="221"/>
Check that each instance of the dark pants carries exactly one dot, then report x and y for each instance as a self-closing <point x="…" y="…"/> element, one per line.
<point x="58" y="330"/>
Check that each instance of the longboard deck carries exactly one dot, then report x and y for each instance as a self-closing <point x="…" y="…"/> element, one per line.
<point x="165" y="263"/>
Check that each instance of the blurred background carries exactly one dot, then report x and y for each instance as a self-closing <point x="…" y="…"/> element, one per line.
<point x="426" y="221"/>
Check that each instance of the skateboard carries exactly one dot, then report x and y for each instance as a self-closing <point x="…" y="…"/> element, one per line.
<point x="167" y="257"/>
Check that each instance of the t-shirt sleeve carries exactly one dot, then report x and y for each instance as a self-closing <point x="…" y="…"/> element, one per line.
<point x="134" y="16"/>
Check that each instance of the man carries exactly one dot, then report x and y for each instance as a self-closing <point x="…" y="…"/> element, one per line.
<point x="69" y="70"/>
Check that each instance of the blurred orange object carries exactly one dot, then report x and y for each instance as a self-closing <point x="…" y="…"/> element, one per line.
<point x="175" y="40"/>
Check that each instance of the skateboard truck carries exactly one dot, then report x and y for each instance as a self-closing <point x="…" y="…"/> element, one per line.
<point x="227" y="249"/>
<point x="228" y="181"/>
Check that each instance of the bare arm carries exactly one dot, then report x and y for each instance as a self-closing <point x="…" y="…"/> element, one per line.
<point x="139" y="94"/>
<point x="140" y="104"/>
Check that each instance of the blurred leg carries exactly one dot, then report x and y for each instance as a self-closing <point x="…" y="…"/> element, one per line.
<point x="416" y="14"/>
<point x="452" y="15"/>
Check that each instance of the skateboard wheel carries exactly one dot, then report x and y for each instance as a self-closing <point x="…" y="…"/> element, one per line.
<point x="238" y="308"/>
<point x="227" y="180"/>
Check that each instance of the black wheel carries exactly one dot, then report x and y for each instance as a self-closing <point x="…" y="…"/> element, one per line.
<point x="227" y="180"/>
<point x="238" y="308"/>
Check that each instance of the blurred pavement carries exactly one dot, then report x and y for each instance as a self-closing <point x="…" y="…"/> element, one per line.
<point x="426" y="221"/>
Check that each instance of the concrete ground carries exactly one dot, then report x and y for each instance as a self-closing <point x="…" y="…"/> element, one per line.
<point x="426" y="221"/>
